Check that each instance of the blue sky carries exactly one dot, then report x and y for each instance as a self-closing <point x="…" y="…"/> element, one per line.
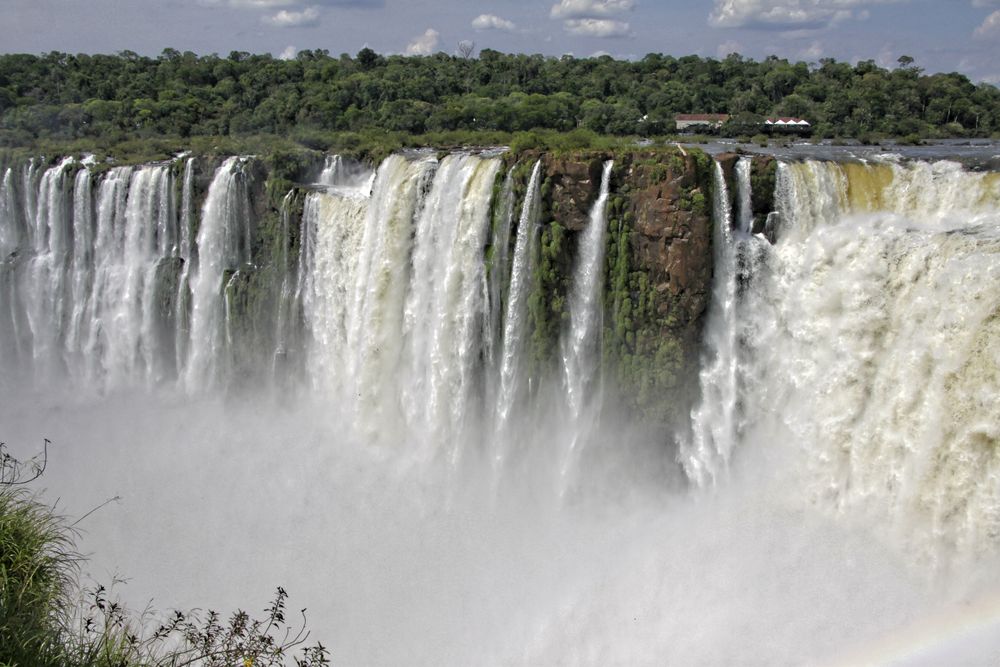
<point x="942" y="35"/>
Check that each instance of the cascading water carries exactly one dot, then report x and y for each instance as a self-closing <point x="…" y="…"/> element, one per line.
<point x="43" y="290"/>
<point x="86" y="287"/>
<point x="874" y="346"/>
<point x="339" y="173"/>
<point x="285" y="330"/>
<point x="495" y="284"/>
<point x="187" y="256"/>
<point x="850" y="367"/>
<point x="222" y="241"/>
<point x="333" y="226"/>
<point x="333" y="171"/>
<point x="82" y="271"/>
<point x="512" y="384"/>
<point x="9" y="237"/>
<point x="713" y="421"/>
<point x="581" y="343"/>
<point x="888" y="351"/>
<point x="392" y="294"/>
<point x="444" y="309"/>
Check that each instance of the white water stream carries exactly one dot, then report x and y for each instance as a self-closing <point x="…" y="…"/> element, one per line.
<point x="843" y="460"/>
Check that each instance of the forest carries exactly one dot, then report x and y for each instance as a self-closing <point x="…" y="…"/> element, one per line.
<point x="59" y="96"/>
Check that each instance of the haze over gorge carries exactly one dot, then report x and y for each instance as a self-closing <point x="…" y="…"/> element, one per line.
<point x="509" y="406"/>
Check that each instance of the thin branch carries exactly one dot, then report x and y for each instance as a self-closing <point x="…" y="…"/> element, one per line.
<point x="101" y="506"/>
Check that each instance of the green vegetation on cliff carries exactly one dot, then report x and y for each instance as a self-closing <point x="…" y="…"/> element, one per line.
<point x="658" y="265"/>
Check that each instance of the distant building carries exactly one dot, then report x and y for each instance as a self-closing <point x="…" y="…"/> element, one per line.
<point x="686" y="121"/>
<point x="787" y="124"/>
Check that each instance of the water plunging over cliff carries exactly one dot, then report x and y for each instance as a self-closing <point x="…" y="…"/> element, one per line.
<point x="581" y="343"/>
<point x="339" y="386"/>
<point x="868" y="338"/>
<point x="512" y="382"/>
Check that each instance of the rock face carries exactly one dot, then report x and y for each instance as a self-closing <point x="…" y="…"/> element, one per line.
<point x="674" y="238"/>
<point x="659" y="267"/>
<point x="574" y="188"/>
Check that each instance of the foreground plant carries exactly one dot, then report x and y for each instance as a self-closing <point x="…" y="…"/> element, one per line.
<point x="44" y="621"/>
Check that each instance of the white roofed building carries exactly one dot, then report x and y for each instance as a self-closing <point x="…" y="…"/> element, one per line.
<point x="787" y="124"/>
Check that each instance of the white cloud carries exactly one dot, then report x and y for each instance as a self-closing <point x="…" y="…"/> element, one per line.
<point x="596" y="27"/>
<point x="290" y="19"/>
<point x="990" y="27"/>
<point x="492" y="22"/>
<point x="590" y="9"/>
<point x="783" y="14"/>
<point x="425" y="44"/>
<point x="289" y="53"/>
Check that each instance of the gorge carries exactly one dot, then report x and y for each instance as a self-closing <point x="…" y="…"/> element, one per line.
<point x="484" y="406"/>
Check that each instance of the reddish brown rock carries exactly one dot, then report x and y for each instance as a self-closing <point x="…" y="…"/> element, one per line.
<point x="574" y="183"/>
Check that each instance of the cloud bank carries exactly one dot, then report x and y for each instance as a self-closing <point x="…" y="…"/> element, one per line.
<point x="788" y="14"/>
<point x="596" y="27"/>
<point x="588" y="9"/>
<point x="990" y="27"/>
<point x="425" y="44"/>
<point x="593" y="18"/>
<point x="306" y="18"/>
<point x="493" y="22"/>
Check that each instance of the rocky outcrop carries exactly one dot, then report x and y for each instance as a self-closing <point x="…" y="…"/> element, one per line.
<point x="673" y="234"/>
<point x="763" y="173"/>
<point x="659" y="266"/>
<point x="573" y="187"/>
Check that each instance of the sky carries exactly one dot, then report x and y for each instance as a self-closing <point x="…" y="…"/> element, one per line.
<point x="941" y="35"/>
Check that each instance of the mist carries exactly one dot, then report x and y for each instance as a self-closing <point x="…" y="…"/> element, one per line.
<point x="389" y="454"/>
<point x="405" y="560"/>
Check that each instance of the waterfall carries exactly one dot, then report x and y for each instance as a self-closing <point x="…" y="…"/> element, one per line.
<point x="891" y="308"/>
<point x="9" y="237"/>
<point x="375" y="358"/>
<point x="392" y="297"/>
<point x="82" y="271"/>
<point x="222" y="247"/>
<point x="357" y="244"/>
<point x="868" y="338"/>
<point x="707" y="451"/>
<point x="495" y="283"/>
<point x="187" y="255"/>
<point x="515" y="318"/>
<point x="12" y="236"/>
<point x="339" y="173"/>
<point x="287" y="306"/>
<point x="333" y="169"/>
<point x="718" y="420"/>
<point x="444" y="308"/>
<point x="865" y="335"/>
<point x="332" y="228"/>
<point x="43" y="291"/>
<point x="99" y="347"/>
<point x="581" y="342"/>
<point x="744" y="194"/>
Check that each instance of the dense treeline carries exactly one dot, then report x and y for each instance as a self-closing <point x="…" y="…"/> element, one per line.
<point x="63" y="96"/>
